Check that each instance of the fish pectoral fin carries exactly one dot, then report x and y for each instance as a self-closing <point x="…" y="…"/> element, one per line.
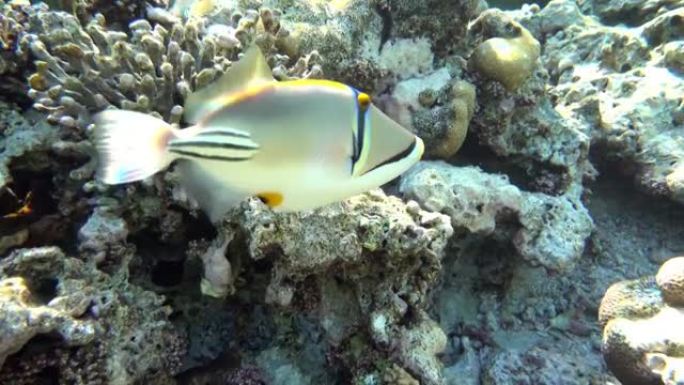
<point x="249" y="71"/>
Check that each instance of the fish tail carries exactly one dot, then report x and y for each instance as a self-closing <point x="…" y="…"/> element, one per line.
<point x="131" y="145"/>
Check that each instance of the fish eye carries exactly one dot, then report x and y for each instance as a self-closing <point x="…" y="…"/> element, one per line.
<point x="364" y="100"/>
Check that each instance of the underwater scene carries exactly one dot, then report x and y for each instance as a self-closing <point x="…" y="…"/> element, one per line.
<point x="333" y="192"/>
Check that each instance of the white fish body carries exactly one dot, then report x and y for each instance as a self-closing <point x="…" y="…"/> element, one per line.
<point x="297" y="145"/>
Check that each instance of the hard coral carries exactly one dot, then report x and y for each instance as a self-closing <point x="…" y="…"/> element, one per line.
<point x="13" y="59"/>
<point x="670" y="280"/>
<point x="643" y="342"/>
<point x="152" y="68"/>
<point x="509" y="56"/>
<point x="84" y="70"/>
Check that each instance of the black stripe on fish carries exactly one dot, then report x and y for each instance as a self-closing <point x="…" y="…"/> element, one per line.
<point x="220" y="132"/>
<point x="396" y="157"/>
<point x="209" y="157"/>
<point x="357" y="142"/>
<point x="212" y="144"/>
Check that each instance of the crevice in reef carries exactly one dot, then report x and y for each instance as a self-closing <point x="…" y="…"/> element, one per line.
<point x="472" y="153"/>
<point x="163" y="255"/>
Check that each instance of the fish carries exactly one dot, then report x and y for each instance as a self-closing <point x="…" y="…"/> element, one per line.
<point x="297" y="144"/>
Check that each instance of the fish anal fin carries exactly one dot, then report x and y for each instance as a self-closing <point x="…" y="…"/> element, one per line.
<point x="215" y="198"/>
<point x="251" y="70"/>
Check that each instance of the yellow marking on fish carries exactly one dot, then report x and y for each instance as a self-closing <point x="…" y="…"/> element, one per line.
<point x="252" y="91"/>
<point x="315" y="83"/>
<point x="162" y="138"/>
<point x="271" y="199"/>
<point x="245" y="94"/>
<point x="364" y="101"/>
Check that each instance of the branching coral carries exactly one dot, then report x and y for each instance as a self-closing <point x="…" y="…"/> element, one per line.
<point x="153" y="68"/>
<point x="13" y="59"/>
<point x="80" y="71"/>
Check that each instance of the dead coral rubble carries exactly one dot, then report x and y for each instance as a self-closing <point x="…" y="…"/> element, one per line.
<point x="60" y="314"/>
<point x="383" y="250"/>
<point x="552" y="229"/>
<point x="620" y="86"/>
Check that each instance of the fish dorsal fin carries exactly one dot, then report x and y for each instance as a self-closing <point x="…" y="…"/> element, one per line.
<point x="251" y="70"/>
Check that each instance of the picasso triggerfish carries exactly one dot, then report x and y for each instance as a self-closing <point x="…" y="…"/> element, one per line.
<point x="296" y="144"/>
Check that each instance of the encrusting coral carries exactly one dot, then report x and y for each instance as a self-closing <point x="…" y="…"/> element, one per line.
<point x="643" y="342"/>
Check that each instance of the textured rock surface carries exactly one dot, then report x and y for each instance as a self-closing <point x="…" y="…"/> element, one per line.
<point x="616" y="86"/>
<point x="523" y="126"/>
<point x="385" y="251"/>
<point x="553" y="230"/>
<point x="109" y="331"/>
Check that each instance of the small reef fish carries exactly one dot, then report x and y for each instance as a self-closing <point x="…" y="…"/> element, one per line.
<point x="25" y="208"/>
<point x="296" y="145"/>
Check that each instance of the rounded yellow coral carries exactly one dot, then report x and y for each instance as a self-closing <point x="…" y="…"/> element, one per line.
<point x="510" y="61"/>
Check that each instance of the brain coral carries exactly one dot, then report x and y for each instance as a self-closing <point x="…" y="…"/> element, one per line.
<point x="643" y="341"/>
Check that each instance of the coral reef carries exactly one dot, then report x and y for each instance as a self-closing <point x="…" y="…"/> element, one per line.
<point x="553" y="230"/>
<point x="61" y="315"/>
<point x="385" y="251"/>
<point x="632" y="12"/>
<point x="13" y="59"/>
<point x="615" y="85"/>
<point x="523" y="125"/>
<point x="642" y="342"/>
<point x="486" y="266"/>
<point x="84" y="70"/>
